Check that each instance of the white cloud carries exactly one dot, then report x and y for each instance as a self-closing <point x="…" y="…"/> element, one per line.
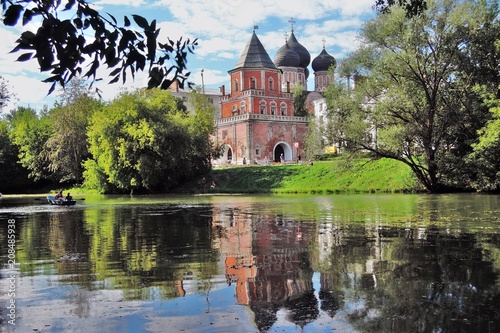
<point x="131" y="3"/>
<point x="29" y="91"/>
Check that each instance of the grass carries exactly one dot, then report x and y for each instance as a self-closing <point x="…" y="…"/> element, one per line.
<point x="337" y="176"/>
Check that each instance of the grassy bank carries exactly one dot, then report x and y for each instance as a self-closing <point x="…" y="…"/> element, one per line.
<point x="336" y="176"/>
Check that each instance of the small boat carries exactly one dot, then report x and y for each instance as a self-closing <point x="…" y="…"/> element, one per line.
<point x="63" y="202"/>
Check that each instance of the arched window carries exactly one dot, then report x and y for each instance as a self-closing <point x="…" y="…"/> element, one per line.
<point x="236" y="85"/>
<point x="243" y="107"/>
<point x="283" y="108"/>
<point x="274" y="107"/>
<point x="253" y="83"/>
<point x="262" y="107"/>
<point x="271" y="84"/>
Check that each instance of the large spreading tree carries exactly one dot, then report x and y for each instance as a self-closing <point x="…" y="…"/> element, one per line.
<point x="416" y="99"/>
<point x="67" y="147"/>
<point x="149" y="142"/>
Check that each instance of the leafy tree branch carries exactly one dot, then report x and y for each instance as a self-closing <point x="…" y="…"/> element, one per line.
<point x="63" y="49"/>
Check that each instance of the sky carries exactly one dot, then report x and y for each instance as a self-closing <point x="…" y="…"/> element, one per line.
<point x="222" y="28"/>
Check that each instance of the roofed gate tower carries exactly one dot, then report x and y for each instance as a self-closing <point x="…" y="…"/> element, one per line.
<point x="257" y="121"/>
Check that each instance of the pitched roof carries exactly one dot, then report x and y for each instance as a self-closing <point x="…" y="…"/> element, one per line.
<point x="254" y="55"/>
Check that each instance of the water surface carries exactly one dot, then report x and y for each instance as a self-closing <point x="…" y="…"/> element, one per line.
<point x="343" y="263"/>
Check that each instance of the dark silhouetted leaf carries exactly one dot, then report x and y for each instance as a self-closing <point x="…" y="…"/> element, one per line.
<point x="141" y="21"/>
<point x="69" y="4"/>
<point x="78" y="23"/>
<point x="113" y="18"/>
<point x="27" y="16"/>
<point x="12" y="14"/>
<point x="25" y="57"/>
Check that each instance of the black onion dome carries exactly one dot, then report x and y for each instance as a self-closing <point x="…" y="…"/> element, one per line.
<point x="286" y="57"/>
<point x="323" y="61"/>
<point x="305" y="57"/>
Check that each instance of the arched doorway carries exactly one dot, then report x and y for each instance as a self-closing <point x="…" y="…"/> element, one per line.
<point x="282" y="148"/>
<point x="227" y="155"/>
<point x="278" y="150"/>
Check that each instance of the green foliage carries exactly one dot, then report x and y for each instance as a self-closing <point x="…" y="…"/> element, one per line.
<point x="64" y="49"/>
<point x="143" y="141"/>
<point x="13" y="176"/>
<point x="415" y="102"/>
<point x="29" y="132"/>
<point x="203" y="127"/>
<point x="345" y="114"/>
<point x="411" y="7"/>
<point x="299" y="100"/>
<point x="486" y="154"/>
<point x="314" y="138"/>
<point x="67" y="148"/>
<point x="5" y="95"/>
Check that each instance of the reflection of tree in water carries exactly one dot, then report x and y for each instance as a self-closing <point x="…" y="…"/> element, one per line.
<point x="440" y="283"/>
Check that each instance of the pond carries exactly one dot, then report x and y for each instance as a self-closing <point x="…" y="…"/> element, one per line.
<point x="265" y="263"/>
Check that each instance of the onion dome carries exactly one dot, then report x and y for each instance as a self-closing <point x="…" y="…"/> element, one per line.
<point x="286" y="57"/>
<point x="305" y="57"/>
<point x="323" y="61"/>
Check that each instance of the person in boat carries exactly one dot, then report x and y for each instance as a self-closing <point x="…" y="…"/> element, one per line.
<point x="69" y="197"/>
<point x="59" y="196"/>
<point x="212" y="185"/>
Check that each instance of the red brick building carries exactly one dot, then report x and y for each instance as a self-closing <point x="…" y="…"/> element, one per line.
<point x="257" y="121"/>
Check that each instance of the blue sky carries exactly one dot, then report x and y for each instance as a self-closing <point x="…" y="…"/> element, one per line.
<point x="222" y="27"/>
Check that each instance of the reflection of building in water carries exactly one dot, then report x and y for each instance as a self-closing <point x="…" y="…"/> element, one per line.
<point x="236" y="247"/>
<point x="269" y="261"/>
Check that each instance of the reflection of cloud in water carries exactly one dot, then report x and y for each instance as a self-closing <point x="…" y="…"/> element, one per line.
<point x="46" y="304"/>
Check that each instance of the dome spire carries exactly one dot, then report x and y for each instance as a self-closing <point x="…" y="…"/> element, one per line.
<point x="292" y="22"/>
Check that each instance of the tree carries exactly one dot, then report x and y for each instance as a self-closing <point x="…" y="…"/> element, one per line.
<point x="203" y="129"/>
<point x="344" y="105"/>
<point x="67" y="148"/>
<point x="29" y="132"/>
<point x="65" y="47"/>
<point x="148" y="142"/>
<point x="299" y="100"/>
<point x="411" y="7"/>
<point x="13" y="176"/>
<point x="314" y="139"/>
<point x="486" y="154"/>
<point x="5" y="95"/>
<point x="418" y="104"/>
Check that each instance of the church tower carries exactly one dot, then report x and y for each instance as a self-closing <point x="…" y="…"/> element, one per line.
<point x="321" y="66"/>
<point x="293" y="59"/>
<point x="257" y="122"/>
